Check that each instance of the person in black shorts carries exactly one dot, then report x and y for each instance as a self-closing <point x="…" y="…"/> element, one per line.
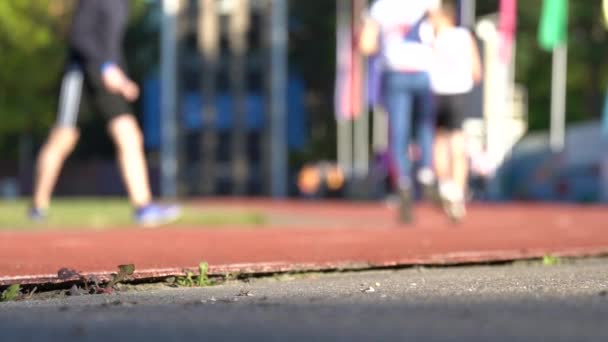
<point x="96" y="65"/>
<point x="451" y="111"/>
<point x="456" y="69"/>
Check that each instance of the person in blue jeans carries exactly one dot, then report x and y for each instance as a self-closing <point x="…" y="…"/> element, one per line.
<point x="399" y="33"/>
<point x="401" y="92"/>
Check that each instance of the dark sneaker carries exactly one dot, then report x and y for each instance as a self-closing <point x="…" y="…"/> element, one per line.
<point x="154" y="215"/>
<point x="431" y="193"/>
<point x="405" y="205"/>
<point x="37" y="215"/>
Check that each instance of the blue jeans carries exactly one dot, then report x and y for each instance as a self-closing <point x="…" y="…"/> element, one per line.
<point x="401" y="91"/>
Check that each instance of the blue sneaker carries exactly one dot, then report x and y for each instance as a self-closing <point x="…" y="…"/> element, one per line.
<point x="37" y="215"/>
<point x="157" y="214"/>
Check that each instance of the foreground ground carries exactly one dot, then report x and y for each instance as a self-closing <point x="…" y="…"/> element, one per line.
<point x="523" y="301"/>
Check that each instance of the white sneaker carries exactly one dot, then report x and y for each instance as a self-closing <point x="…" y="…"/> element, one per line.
<point x="456" y="211"/>
<point x="453" y="201"/>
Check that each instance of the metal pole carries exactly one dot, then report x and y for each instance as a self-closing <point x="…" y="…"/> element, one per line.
<point x="361" y="124"/>
<point x="380" y="131"/>
<point x="168" y="100"/>
<point x="266" y="139"/>
<point x="361" y="144"/>
<point x="494" y="97"/>
<point x="208" y="41"/>
<point x="558" y="97"/>
<point x="344" y="125"/>
<point x="467" y="13"/>
<point x="239" y="26"/>
<point x="278" y="97"/>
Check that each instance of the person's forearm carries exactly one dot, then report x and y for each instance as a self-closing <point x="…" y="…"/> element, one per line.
<point x="369" y="40"/>
<point x="477" y="67"/>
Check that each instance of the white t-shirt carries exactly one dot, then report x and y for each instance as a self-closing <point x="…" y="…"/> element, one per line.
<point x="395" y="18"/>
<point x="452" y="69"/>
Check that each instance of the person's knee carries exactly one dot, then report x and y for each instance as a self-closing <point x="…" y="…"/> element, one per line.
<point x="442" y="138"/>
<point x="62" y="140"/>
<point x="441" y="134"/>
<point x="126" y="132"/>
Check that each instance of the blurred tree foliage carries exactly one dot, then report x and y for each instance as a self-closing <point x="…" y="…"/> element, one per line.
<point x="32" y="54"/>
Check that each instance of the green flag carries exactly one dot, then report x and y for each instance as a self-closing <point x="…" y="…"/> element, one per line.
<point x="553" y="28"/>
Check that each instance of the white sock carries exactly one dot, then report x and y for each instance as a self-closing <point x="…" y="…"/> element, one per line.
<point x="426" y="176"/>
<point x="450" y="191"/>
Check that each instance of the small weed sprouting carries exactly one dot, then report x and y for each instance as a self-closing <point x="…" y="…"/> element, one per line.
<point x="549" y="260"/>
<point x="124" y="272"/>
<point x="192" y="280"/>
<point x="231" y="276"/>
<point x="187" y="280"/>
<point x="16" y="292"/>
<point x="91" y="284"/>
<point x="11" y="293"/>
<point x="203" y="279"/>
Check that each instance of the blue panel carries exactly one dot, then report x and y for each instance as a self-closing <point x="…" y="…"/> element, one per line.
<point x="151" y="113"/>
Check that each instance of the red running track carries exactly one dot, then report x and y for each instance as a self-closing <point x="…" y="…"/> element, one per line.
<point x="310" y="236"/>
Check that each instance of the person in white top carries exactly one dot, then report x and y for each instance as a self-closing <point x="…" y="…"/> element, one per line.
<point x="455" y="69"/>
<point x="398" y="32"/>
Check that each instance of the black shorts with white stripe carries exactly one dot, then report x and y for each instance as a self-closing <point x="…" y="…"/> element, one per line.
<point x="77" y="79"/>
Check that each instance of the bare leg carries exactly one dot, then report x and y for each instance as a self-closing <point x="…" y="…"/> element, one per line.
<point x="460" y="168"/>
<point x="441" y="155"/>
<point x="59" y="145"/>
<point x="128" y="139"/>
<point x="451" y="168"/>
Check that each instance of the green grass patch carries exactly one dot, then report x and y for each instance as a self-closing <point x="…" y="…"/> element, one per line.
<point x="11" y="293"/>
<point x="91" y="213"/>
<point x="549" y="260"/>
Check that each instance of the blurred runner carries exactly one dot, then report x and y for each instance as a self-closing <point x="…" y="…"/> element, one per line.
<point x="96" y="64"/>
<point x="456" y="69"/>
<point x="398" y="31"/>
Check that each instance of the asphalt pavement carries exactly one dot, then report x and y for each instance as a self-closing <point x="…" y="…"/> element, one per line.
<point x="514" y="302"/>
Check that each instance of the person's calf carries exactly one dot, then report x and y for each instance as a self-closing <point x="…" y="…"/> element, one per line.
<point x="129" y="144"/>
<point x="59" y="145"/>
<point x="61" y="141"/>
<point x="441" y="155"/>
<point x="460" y="166"/>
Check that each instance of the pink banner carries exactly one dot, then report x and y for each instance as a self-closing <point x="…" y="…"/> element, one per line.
<point x="349" y="95"/>
<point x="507" y="27"/>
